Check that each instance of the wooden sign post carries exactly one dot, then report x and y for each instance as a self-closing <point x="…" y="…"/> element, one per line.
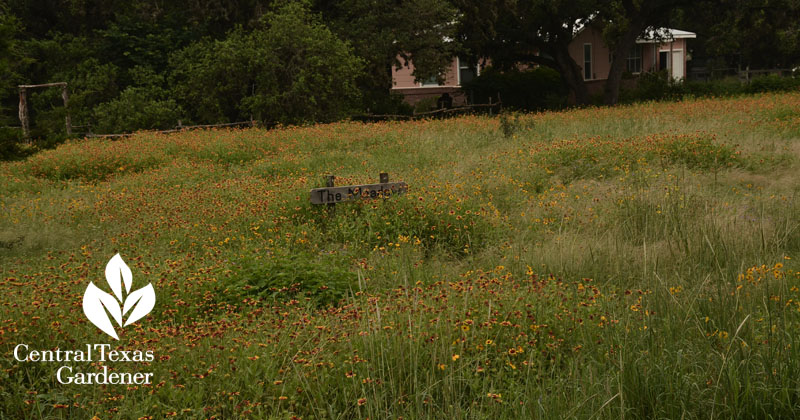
<point x="332" y="195"/>
<point x="329" y="183"/>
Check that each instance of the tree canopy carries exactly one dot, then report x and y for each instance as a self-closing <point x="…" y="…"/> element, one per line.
<point x="146" y="64"/>
<point x="142" y="65"/>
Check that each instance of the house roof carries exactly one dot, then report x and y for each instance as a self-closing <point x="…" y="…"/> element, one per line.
<point x="651" y="35"/>
<point x="580" y="24"/>
<point x="659" y="35"/>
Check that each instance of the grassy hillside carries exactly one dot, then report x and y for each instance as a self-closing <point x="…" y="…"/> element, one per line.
<point x="640" y="262"/>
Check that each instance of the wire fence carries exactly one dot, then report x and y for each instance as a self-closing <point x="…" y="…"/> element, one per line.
<point x="490" y="108"/>
<point x="178" y="128"/>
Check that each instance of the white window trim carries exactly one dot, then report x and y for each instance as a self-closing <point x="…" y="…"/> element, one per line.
<point x="458" y="73"/>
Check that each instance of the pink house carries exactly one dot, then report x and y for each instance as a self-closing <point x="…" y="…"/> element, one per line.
<point x="657" y="49"/>
<point x="457" y="73"/>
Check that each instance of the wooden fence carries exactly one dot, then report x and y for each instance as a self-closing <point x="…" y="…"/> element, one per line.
<point x="489" y="108"/>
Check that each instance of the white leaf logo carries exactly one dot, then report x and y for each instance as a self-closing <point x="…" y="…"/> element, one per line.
<point x="98" y="305"/>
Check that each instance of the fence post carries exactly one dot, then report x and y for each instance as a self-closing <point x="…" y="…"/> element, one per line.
<point x="67" y="119"/>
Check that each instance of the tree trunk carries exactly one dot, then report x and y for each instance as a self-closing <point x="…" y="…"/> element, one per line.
<point x="572" y="74"/>
<point x="620" y="54"/>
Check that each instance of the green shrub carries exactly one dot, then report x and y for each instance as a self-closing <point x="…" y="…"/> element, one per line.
<point x="730" y="86"/>
<point x="290" y="69"/>
<point x="137" y="108"/>
<point x="531" y="90"/>
<point x="653" y="86"/>
<point x="727" y="86"/>
<point x="322" y="280"/>
<point x="380" y="103"/>
<point x="700" y="153"/>
<point x="512" y="123"/>
<point x="145" y="105"/>
<point x="10" y="139"/>
<point x="451" y="226"/>
<point x="773" y="83"/>
<point x="425" y="105"/>
<point x="657" y="86"/>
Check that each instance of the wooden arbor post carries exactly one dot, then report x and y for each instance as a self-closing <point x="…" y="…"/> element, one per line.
<point x="23" y="111"/>
<point x="23" y="105"/>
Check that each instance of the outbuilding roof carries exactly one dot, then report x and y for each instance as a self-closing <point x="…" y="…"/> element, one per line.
<point x="659" y="35"/>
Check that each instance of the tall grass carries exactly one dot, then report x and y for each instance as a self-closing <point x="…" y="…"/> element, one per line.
<point x="629" y="262"/>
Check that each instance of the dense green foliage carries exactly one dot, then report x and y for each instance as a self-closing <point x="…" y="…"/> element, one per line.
<point x="141" y="65"/>
<point x="145" y="104"/>
<point x="657" y="86"/>
<point x="9" y="27"/>
<point x="9" y="55"/>
<point x="746" y="33"/>
<point x="386" y="34"/>
<point x="148" y="65"/>
<point x="289" y="69"/>
<point x="323" y="281"/>
<point x="531" y="90"/>
<point x="743" y="33"/>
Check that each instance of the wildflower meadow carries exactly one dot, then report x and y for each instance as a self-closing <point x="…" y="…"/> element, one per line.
<point x="639" y="261"/>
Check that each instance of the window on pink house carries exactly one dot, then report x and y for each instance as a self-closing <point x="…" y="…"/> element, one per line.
<point x="431" y="81"/>
<point x="587" y="62"/>
<point x="663" y="60"/>
<point x="635" y="59"/>
<point x="466" y="71"/>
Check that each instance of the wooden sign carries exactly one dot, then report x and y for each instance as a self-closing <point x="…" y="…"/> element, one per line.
<point x="333" y="195"/>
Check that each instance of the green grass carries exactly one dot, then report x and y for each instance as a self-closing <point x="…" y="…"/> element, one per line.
<point x="628" y="262"/>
